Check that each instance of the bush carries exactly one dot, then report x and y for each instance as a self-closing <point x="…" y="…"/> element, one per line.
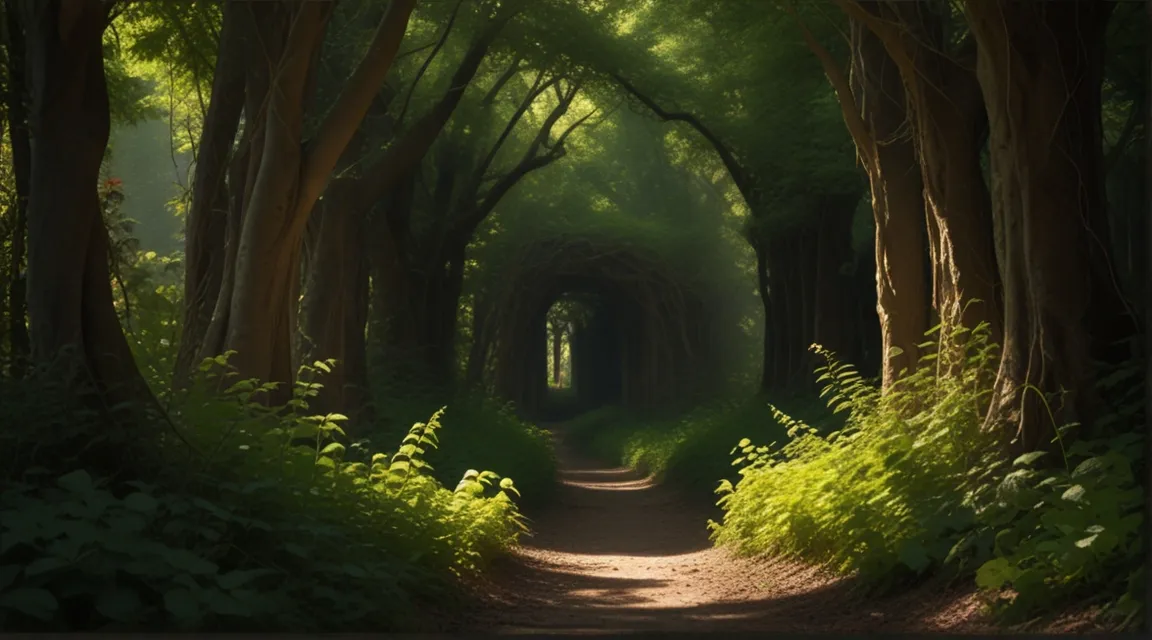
<point x="238" y="529"/>
<point x="479" y="432"/>
<point x="691" y="451"/>
<point x="912" y="484"/>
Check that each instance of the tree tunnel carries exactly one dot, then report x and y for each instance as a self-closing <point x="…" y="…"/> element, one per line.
<point x="645" y="339"/>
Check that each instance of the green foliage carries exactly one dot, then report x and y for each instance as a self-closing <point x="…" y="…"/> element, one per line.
<point x="690" y="451"/>
<point x="482" y="432"/>
<point x="912" y="484"/>
<point x="1049" y="534"/>
<point x="242" y="529"/>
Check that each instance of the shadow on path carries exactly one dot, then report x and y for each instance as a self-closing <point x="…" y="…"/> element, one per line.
<point x="618" y="553"/>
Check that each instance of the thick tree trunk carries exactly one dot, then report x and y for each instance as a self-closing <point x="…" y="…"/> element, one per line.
<point x="287" y="183"/>
<point x="949" y="125"/>
<point x="897" y="205"/>
<point x="833" y="321"/>
<point x="19" y="345"/>
<point x="1040" y="68"/>
<point x="207" y="221"/>
<point x="69" y="294"/>
<point x="330" y="297"/>
<point x="265" y="29"/>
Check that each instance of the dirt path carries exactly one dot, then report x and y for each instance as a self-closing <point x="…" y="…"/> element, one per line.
<point x="618" y="553"/>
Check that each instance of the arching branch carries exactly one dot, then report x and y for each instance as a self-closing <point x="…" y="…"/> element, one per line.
<point x="427" y="63"/>
<point x="740" y="175"/>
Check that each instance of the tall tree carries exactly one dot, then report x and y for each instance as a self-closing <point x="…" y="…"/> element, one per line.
<point x="70" y="302"/>
<point x="1040" y="68"/>
<point x="285" y="174"/>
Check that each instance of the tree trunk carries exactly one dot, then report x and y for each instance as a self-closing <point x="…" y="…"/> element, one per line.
<point x="286" y="184"/>
<point x="70" y="300"/>
<point x="557" y="353"/>
<point x="1040" y="68"/>
<point x="897" y="205"/>
<point x="949" y="125"/>
<point x="833" y="317"/>
<point x="19" y="344"/>
<point x="207" y="221"/>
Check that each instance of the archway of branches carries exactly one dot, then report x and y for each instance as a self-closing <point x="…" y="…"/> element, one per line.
<point x="645" y="339"/>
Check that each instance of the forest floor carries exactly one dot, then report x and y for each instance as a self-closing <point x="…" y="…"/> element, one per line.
<point x="618" y="553"/>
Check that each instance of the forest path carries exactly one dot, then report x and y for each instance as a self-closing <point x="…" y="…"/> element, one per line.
<point x="618" y="553"/>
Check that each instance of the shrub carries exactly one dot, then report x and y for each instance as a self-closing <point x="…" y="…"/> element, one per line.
<point x="690" y="451"/>
<point x="912" y="484"/>
<point x="239" y="529"/>
<point x="480" y="432"/>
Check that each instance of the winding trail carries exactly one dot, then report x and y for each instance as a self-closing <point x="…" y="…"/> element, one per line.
<point x="617" y="553"/>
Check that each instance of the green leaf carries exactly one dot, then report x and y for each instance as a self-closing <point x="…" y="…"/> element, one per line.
<point x="121" y="604"/>
<point x="1028" y="458"/>
<point x="77" y="481"/>
<point x="995" y="573"/>
<point x="188" y="562"/>
<point x="38" y="603"/>
<point x="913" y="556"/>
<point x="334" y="449"/>
<point x="181" y="603"/>
<point x="235" y="579"/>
<point x="1084" y="543"/>
<point x="1091" y="465"/>
<point x="141" y="502"/>
<point x="1075" y="493"/>
<point x="44" y="565"/>
<point x="8" y="575"/>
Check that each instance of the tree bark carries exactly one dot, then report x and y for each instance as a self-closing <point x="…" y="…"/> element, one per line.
<point x="1040" y="68"/>
<point x="207" y="221"/>
<point x="897" y="203"/>
<point x="70" y="300"/>
<point x="873" y="105"/>
<point x="833" y="286"/>
<point x="286" y="184"/>
<point x="949" y="125"/>
<point x="19" y="344"/>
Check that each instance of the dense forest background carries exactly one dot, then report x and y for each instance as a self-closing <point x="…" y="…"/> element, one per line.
<point x="258" y="258"/>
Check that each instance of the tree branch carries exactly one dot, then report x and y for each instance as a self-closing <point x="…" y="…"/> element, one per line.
<point x="744" y="180"/>
<point x="350" y="108"/>
<point x="410" y="148"/>
<point x="861" y="132"/>
<point x="427" y="62"/>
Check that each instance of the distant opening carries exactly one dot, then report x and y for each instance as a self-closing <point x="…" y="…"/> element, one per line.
<point x="580" y="357"/>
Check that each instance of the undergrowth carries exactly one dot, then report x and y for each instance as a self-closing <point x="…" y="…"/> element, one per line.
<point x="236" y="528"/>
<point x="913" y="485"/>
<point x="482" y="432"/>
<point x="689" y="451"/>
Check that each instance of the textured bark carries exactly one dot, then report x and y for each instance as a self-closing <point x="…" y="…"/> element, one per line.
<point x="288" y="181"/>
<point x="19" y="345"/>
<point x="207" y="220"/>
<point x="877" y="104"/>
<point x="949" y="125"/>
<point x="1040" y="68"/>
<point x="70" y="300"/>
